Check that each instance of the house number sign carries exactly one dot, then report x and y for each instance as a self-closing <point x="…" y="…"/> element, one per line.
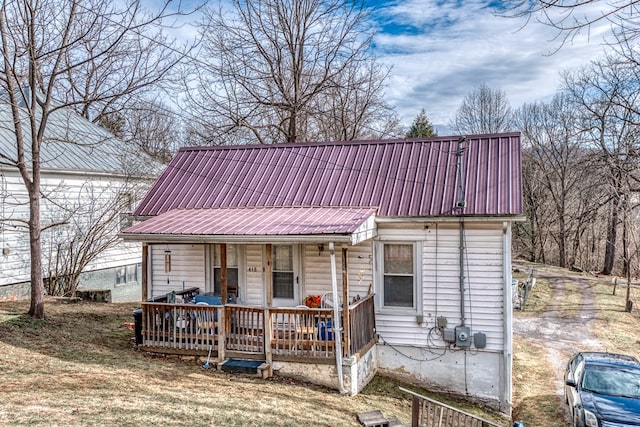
<point x="252" y="269"/>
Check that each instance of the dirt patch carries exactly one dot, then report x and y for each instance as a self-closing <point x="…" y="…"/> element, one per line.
<point x="568" y="313"/>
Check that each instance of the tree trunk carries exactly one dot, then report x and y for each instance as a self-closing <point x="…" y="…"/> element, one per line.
<point x="562" y="241"/>
<point x="610" y="244"/>
<point x="36" y="309"/>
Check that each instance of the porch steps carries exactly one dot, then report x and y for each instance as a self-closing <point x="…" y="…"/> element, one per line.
<point x="242" y="366"/>
<point x="377" y="419"/>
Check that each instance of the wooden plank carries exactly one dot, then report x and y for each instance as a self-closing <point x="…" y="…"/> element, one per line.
<point x="268" y="276"/>
<point x="145" y="271"/>
<point x="224" y="283"/>
<point x="268" y="333"/>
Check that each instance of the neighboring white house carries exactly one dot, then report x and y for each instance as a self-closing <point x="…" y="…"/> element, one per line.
<point x="87" y="193"/>
<point x="424" y="224"/>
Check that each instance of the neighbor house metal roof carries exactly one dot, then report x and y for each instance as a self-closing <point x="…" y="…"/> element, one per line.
<point x="354" y="224"/>
<point x="73" y="143"/>
<point x="401" y="178"/>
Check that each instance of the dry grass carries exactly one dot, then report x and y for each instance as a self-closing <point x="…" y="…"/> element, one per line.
<point x="79" y="367"/>
<point x="535" y="398"/>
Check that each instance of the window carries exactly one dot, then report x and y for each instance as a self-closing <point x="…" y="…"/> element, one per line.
<point x="121" y="275"/>
<point x="127" y="273"/>
<point x="132" y="273"/>
<point x="283" y="271"/>
<point x="232" y="268"/>
<point x="398" y="276"/>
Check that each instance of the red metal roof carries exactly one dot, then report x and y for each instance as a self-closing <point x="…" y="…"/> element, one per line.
<point x="412" y="177"/>
<point x="259" y="222"/>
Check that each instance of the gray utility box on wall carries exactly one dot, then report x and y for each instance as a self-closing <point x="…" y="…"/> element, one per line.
<point x="463" y="336"/>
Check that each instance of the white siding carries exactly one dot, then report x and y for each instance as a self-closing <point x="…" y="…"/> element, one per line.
<point x="254" y="292"/>
<point x="440" y="274"/>
<point x="317" y="270"/>
<point x="70" y="198"/>
<point x="187" y="267"/>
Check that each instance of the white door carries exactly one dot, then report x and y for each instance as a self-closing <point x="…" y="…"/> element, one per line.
<point x="285" y="280"/>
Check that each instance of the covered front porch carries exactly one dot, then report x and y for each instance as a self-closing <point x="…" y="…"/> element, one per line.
<point x="231" y="330"/>
<point x="333" y="346"/>
<point x="250" y="272"/>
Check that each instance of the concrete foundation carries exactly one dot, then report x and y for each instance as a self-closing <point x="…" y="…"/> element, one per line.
<point x="474" y="375"/>
<point x="357" y="372"/>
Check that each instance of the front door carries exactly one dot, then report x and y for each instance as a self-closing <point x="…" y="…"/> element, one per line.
<point x="285" y="276"/>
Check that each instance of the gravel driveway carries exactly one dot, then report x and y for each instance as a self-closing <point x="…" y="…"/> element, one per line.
<point x="563" y="329"/>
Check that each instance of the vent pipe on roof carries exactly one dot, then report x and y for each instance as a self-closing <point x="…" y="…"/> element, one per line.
<point x="461" y="204"/>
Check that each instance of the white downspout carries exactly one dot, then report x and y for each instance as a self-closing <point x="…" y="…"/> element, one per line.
<point x="336" y="318"/>
<point x="508" y="310"/>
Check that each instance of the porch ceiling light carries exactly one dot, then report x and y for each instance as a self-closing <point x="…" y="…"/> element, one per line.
<point x="320" y="248"/>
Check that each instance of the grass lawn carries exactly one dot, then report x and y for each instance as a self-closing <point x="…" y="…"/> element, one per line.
<point x="80" y="367"/>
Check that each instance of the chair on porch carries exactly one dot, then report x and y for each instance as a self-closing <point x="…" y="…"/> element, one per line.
<point x="206" y="321"/>
<point x="305" y="325"/>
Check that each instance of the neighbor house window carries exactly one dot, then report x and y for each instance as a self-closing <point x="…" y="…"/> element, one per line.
<point x="121" y="275"/>
<point x="126" y="274"/>
<point x="398" y="275"/>
<point x="232" y="269"/>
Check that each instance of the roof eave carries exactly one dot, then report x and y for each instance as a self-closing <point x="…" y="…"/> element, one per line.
<point x="451" y="218"/>
<point x="352" y="238"/>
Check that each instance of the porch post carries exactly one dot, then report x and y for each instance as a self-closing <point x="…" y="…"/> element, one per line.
<point x="268" y="275"/>
<point x="145" y="271"/>
<point x="268" y="333"/>
<point x="346" y="322"/>
<point x="336" y="318"/>
<point x="223" y="272"/>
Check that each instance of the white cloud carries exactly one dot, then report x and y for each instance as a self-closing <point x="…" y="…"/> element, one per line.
<point x="445" y="48"/>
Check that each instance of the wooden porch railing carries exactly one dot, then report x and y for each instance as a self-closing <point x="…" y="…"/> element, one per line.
<point x="182" y="326"/>
<point x="306" y="332"/>
<point x="282" y="332"/>
<point x="429" y="412"/>
<point x="362" y="327"/>
<point x="245" y="328"/>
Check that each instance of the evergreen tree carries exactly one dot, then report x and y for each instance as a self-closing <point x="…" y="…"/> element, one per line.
<point x="421" y="127"/>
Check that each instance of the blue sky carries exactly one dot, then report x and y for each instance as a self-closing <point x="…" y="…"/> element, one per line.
<point x="439" y="50"/>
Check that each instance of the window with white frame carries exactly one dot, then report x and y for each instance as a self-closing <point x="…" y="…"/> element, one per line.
<point x="283" y="286"/>
<point x="399" y="276"/>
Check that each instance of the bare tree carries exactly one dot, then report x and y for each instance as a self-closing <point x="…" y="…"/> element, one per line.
<point x="150" y="126"/>
<point x="483" y="110"/>
<point x="606" y="99"/>
<point x="567" y="197"/>
<point x="88" y="225"/>
<point x="572" y="17"/>
<point x="287" y="71"/>
<point x="55" y="54"/>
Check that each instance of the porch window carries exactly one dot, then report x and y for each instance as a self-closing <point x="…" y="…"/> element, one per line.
<point x="232" y="269"/>
<point x="399" y="275"/>
<point x="283" y="271"/>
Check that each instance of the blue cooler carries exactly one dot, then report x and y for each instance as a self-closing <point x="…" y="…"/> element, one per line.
<point x="324" y="331"/>
<point x="209" y="299"/>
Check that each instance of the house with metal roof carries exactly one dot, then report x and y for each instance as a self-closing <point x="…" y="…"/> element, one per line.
<point x="89" y="184"/>
<point x="332" y="261"/>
